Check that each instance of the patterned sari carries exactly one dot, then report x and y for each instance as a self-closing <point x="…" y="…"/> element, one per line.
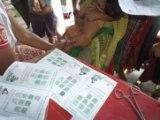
<point x="102" y="48"/>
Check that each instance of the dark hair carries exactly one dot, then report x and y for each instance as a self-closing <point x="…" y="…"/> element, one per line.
<point x="113" y="9"/>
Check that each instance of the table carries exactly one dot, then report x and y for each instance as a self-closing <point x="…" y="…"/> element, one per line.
<point x="120" y="109"/>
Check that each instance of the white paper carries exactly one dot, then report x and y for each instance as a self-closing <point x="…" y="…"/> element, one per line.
<point x="30" y="75"/>
<point x="30" y="78"/>
<point x="13" y="118"/>
<point x="0" y="77"/>
<point x="141" y="7"/>
<point x="74" y="86"/>
<point x="78" y="88"/>
<point x="20" y="104"/>
<point x="65" y="62"/>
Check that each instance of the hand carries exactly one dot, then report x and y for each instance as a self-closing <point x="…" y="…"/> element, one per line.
<point x="60" y="44"/>
<point x="53" y="39"/>
<point x="155" y="50"/>
<point x="36" y="6"/>
<point x="80" y="41"/>
<point x="67" y="46"/>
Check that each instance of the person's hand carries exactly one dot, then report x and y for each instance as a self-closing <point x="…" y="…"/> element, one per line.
<point x="155" y="50"/>
<point x="53" y="39"/>
<point x="80" y="41"/>
<point x="76" y="42"/>
<point x="36" y="6"/>
<point x="67" y="46"/>
<point x="60" y="44"/>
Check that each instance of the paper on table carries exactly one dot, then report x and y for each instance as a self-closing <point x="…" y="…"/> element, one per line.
<point x="16" y="102"/>
<point x="30" y="75"/>
<point x="82" y="97"/>
<point x="13" y="118"/>
<point x="75" y="86"/>
<point x="65" y="62"/>
<point x="78" y="88"/>
<point x="0" y="77"/>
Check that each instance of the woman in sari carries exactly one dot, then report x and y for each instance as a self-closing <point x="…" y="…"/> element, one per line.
<point x="100" y="25"/>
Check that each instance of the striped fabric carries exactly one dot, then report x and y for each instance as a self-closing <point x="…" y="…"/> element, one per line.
<point x="137" y="29"/>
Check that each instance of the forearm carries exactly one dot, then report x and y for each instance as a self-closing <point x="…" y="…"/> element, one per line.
<point x="27" y="37"/>
<point x="34" y="41"/>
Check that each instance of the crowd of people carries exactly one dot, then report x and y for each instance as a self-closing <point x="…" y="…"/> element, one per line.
<point x="95" y="20"/>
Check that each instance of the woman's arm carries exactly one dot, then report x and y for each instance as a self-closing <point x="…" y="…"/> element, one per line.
<point x="27" y="37"/>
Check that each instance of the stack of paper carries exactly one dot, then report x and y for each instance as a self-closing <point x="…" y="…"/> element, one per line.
<point x="74" y="86"/>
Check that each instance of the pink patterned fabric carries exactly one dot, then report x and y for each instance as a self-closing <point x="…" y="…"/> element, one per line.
<point x="24" y="52"/>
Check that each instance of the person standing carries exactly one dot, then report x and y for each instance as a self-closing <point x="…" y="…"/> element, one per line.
<point x="42" y="19"/>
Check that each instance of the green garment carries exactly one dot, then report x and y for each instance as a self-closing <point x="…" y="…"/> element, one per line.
<point x="103" y="46"/>
<point x="118" y="55"/>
